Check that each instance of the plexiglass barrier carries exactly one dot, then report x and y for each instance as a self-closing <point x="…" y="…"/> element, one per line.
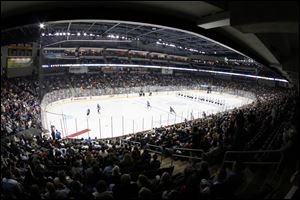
<point x="114" y="124"/>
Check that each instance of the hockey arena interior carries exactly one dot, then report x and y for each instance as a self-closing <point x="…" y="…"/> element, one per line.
<point x="149" y="100"/>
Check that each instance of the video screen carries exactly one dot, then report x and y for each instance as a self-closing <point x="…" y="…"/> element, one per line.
<point x="19" y="62"/>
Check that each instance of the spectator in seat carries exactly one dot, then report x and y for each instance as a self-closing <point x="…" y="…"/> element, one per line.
<point x="62" y="190"/>
<point x="144" y="162"/>
<point x="75" y="190"/>
<point x="101" y="191"/>
<point x="202" y="170"/>
<point x="218" y="189"/>
<point x="154" y="164"/>
<point x="125" y="188"/>
<point x="108" y="169"/>
<point x="127" y="163"/>
<point x="35" y="192"/>
<point x="234" y="179"/>
<point x="10" y="186"/>
<point x="136" y="154"/>
<point x="116" y="175"/>
<point x="145" y="194"/>
<point x="50" y="191"/>
<point x="77" y="168"/>
<point x="165" y="182"/>
<point x="171" y="195"/>
<point x="143" y="181"/>
<point x="103" y="153"/>
<point x="146" y="157"/>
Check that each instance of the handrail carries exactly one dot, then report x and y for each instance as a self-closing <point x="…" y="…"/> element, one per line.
<point x="277" y="163"/>
<point x="158" y="152"/>
<point x="256" y="151"/>
<point x="190" y="157"/>
<point x="133" y="142"/>
<point x="136" y="143"/>
<point x="255" y="163"/>
<point x="175" y="154"/>
<point x="152" y="145"/>
<point x="187" y="149"/>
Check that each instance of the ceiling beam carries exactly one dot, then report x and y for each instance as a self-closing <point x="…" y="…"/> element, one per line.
<point x="91" y="26"/>
<point x="69" y="29"/>
<point x="110" y="28"/>
<point x="134" y="29"/>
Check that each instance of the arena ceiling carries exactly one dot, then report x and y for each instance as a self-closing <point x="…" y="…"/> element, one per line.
<point x="131" y="35"/>
<point x="265" y="31"/>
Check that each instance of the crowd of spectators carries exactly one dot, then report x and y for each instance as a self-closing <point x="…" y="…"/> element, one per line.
<point x="20" y="108"/>
<point x="230" y="130"/>
<point x="42" y="168"/>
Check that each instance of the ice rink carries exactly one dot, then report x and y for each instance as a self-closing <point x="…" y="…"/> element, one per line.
<point x="121" y="114"/>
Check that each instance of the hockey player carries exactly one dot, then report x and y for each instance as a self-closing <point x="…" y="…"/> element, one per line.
<point x="148" y="105"/>
<point x="172" y="110"/>
<point x="98" y="108"/>
<point x="88" y="112"/>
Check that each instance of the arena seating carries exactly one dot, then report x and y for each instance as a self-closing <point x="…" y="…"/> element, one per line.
<point x="39" y="167"/>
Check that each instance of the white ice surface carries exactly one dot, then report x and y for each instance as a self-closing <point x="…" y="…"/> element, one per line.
<point x="120" y="116"/>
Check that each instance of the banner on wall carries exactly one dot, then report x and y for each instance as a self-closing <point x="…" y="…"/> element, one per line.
<point x="78" y="70"/>
<point x="167" y="71"/>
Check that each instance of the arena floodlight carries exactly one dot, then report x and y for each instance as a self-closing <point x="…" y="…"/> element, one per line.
<point x="43" y="34"/>
<point x="42" y="25"/>
<point x="78" y="34"/>
<point x="84" y="34"/>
